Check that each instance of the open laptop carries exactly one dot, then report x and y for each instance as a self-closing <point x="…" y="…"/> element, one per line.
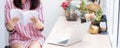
<point x="75" y="35"/>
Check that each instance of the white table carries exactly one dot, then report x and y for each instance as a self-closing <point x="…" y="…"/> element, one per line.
<point x="89" y="41"/>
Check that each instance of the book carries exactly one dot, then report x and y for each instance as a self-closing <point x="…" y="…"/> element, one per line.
<point x="24" y="17"/>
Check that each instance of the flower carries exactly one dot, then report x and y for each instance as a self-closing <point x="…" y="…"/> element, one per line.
<point x="65" y="4"/>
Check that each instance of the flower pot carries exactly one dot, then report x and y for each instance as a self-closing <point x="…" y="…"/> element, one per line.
<point x="94" y="29"/>
<point x="72" y="17"/>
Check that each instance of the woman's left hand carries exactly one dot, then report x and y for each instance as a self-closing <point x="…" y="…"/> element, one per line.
<point x="37" y="24"/>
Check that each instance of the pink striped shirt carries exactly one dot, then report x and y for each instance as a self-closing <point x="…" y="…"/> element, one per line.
<point x="23" y="34"/>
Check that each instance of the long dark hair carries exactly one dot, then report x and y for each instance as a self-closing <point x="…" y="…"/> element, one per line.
<point x="33" y="4"/>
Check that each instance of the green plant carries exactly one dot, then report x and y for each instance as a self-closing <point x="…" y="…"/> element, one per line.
<point x="98" y="15"/>
<point x="83" y="6"/>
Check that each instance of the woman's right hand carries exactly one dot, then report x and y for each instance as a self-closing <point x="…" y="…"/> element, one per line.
<point x="10" y="25"/>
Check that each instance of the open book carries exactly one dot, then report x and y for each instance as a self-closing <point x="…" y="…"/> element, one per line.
<point x="24" y="17"/>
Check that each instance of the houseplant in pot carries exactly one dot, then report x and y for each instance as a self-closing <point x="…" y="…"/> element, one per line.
<point x="96" y="9"/>
<point x="83" y="11"/>
<point x="70" y="8"/>
<point x="97" y="13"/>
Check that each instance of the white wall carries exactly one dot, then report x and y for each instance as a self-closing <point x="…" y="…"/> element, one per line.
<point x="110" y="15"/>
<point x="112" y="19"/>
<point x="115" y="23"/>
<point x="119" y="31"/>
<point x="52" y="10"/>
<point x="119" y="28"/>
<point x="103" y="4"/>
<point x="3" y="32"/>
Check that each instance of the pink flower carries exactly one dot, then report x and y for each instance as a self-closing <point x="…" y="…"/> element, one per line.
<point x="65" y="4"/>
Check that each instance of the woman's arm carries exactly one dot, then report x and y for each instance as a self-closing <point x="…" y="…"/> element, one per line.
<point x="7" y="17"/>
<point x="40" y="18"/>
<point x="38" y="22"/>
<point x="9" y="23"/>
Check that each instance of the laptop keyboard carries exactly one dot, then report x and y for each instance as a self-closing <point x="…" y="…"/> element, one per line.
<point x="63" y="42"/>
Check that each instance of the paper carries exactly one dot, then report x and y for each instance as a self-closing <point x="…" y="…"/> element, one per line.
<point x="24" y="17"/>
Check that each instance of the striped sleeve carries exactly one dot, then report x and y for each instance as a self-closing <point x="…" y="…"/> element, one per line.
<point x="40" y="15"/>
<point x="7" y="14"/>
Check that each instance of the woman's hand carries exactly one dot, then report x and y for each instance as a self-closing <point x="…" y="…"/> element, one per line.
<point x="10" y="25"/>
<point x="37" y="24"/>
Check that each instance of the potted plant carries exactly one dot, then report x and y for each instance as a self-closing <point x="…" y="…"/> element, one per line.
<point x="96" y="9"/>
<point x="70" y="7"/>
<point x="83" y="12"/>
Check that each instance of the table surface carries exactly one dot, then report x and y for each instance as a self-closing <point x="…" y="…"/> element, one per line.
<point x="89" y="40"/>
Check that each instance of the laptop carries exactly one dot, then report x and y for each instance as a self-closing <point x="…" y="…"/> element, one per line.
<point x="75" y="35"/>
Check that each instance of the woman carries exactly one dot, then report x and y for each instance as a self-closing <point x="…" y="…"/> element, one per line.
<point x="28" y="36"/>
